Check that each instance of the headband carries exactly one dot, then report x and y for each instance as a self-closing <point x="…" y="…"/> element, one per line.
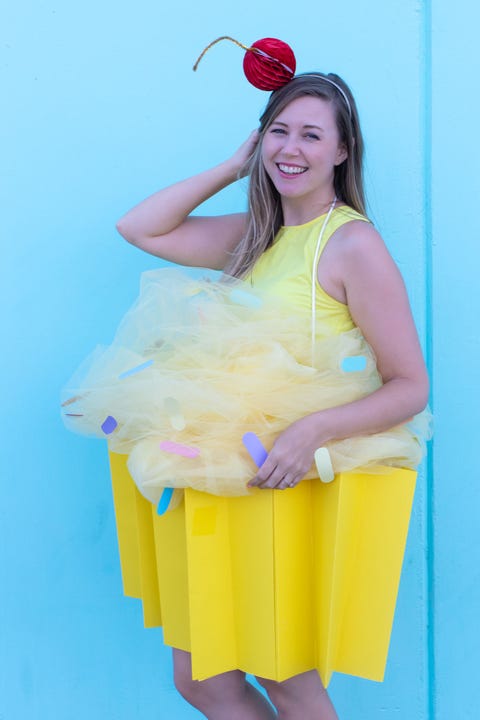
<point x="335" y="85"/>
<point x="269" y="64"/>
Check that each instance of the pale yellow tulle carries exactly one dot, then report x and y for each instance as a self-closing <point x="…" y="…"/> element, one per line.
<point x="199" y="363"/>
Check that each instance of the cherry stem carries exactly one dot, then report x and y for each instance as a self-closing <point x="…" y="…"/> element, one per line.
<point x="224" y="37"/>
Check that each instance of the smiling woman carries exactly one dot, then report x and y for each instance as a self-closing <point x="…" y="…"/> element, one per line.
<point x="319" y="287"/>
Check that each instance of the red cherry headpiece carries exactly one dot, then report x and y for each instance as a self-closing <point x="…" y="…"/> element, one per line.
<point x="268" y="64"/>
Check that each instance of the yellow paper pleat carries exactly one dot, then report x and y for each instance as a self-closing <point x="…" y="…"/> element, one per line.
<point x="152" y="615"/>
<point x="381" y="512"/>
<point x="135" y="541"/>
<point x="253" y="580"/>
<point x="212" y="620"/>
<point x="124" y="492"/>
<point x="294" y="572"/>
<point x="170" y="544"/>
<point x="331" y="548"/>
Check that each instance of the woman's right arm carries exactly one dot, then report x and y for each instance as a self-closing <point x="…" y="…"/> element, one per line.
<point x="162" y="225"/>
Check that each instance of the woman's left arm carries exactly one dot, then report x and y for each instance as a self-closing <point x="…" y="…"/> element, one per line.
<point x="378" y="302"/>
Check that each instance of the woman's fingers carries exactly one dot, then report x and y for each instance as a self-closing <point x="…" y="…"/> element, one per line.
<point x="246" y="150"/>
<point x="265" y="473"/>
<point x="276" y="474"/>
<point x="274" y="483"/>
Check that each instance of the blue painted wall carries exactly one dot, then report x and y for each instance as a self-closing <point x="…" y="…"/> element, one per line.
<point x="100" y="108"/>
<point x="455" y="189"/>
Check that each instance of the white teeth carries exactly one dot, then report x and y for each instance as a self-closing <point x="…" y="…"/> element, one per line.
<point x="290" y="170"/>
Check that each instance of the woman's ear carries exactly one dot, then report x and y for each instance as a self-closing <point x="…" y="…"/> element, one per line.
<point x="342" y="154"/>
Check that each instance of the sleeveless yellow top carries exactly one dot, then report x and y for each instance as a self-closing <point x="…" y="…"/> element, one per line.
<point x="285" y="270"/>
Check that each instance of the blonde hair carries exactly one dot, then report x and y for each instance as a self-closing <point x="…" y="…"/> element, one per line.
<point x="265" y="215"/>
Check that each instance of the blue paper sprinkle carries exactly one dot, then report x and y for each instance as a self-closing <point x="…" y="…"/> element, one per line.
<point x="356" y="363"/>
<point x="136" y="369"/>
<point x="109" y="425"/>
<point x="164" y="501"/>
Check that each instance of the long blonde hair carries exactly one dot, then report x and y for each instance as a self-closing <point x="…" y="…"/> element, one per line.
<point x="265" y="215"/>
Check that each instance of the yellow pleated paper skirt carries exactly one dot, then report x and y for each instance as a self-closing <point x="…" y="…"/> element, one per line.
<point x="275" y="583"/>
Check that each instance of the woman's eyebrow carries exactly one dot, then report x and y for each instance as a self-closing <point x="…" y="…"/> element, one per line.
<point x="317" y="127"/>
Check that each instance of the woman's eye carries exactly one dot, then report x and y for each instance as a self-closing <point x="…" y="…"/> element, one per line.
<point x="312" y="136"/>
<point x="278" y="131"/>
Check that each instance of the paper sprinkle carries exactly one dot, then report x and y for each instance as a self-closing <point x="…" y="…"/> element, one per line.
<point x="255" y="448"/>
<point x="136" y="369"/>
<point x="175" y="415"/>
<point x="109" y="425"/>
<point x="73" y="415"/>
<point x="355" y="363"/>
<point x="201" y="316"/>
<point x="164" y="501"/>
<point x="71" y="400"/>
<point x="177" y="449"/>
<point x="324" y="465"/>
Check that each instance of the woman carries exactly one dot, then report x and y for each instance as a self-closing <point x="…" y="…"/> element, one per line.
<point x="305" y="170"/>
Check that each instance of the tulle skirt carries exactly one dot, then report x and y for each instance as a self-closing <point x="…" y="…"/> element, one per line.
<point x="197" y="363"/>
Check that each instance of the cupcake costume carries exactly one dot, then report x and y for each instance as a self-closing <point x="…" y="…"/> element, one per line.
<point x="273" y="583"/>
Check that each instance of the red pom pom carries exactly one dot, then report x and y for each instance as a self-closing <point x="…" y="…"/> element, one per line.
<point x="269" y="63"/>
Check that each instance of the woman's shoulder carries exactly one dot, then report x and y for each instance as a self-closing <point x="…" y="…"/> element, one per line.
<point x="356" y="234"/>
<point x="348" y="213"/>
<point x="362" y="257"/>
<point x="356" y="248"/>
<point x="343" y="221"/>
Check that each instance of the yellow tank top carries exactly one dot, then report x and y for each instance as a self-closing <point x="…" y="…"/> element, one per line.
<point x="285" y="271"/>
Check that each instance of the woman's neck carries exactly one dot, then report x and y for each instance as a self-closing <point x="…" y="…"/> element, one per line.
<point x="297" y="211"/>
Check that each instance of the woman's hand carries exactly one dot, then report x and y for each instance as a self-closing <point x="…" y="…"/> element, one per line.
<point x="291" y="456"/>
<point x="241" y="157"/>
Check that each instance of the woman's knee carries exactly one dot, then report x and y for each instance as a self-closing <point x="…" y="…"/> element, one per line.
<point x="275" y="691"/>
<point x="193" y="691"/>
<point x="304" y="689"/>
<point x="182" y="677"/>
<point x="205" y="694"/>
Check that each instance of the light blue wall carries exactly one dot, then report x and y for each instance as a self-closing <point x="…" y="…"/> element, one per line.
<point x="100" y="107"/>
<point x="455" y="183"/>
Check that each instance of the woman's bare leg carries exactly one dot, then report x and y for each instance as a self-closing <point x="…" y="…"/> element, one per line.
<point x="302" y="696"/>
<point x="223" y="697"/>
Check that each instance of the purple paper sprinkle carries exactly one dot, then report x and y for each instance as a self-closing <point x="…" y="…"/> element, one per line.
<point x="255" y="448"/>
<point x="109" y="425"/>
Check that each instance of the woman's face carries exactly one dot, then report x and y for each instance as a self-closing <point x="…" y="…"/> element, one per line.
<point x="301" y="148"/>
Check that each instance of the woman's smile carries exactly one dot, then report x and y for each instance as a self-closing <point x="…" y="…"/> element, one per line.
<point x="291" y="170"/>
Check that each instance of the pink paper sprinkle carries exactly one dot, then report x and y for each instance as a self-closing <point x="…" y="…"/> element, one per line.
<point x="177" y="449"/>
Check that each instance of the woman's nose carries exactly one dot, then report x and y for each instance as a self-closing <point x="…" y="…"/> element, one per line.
<point x="290" y="146"/>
